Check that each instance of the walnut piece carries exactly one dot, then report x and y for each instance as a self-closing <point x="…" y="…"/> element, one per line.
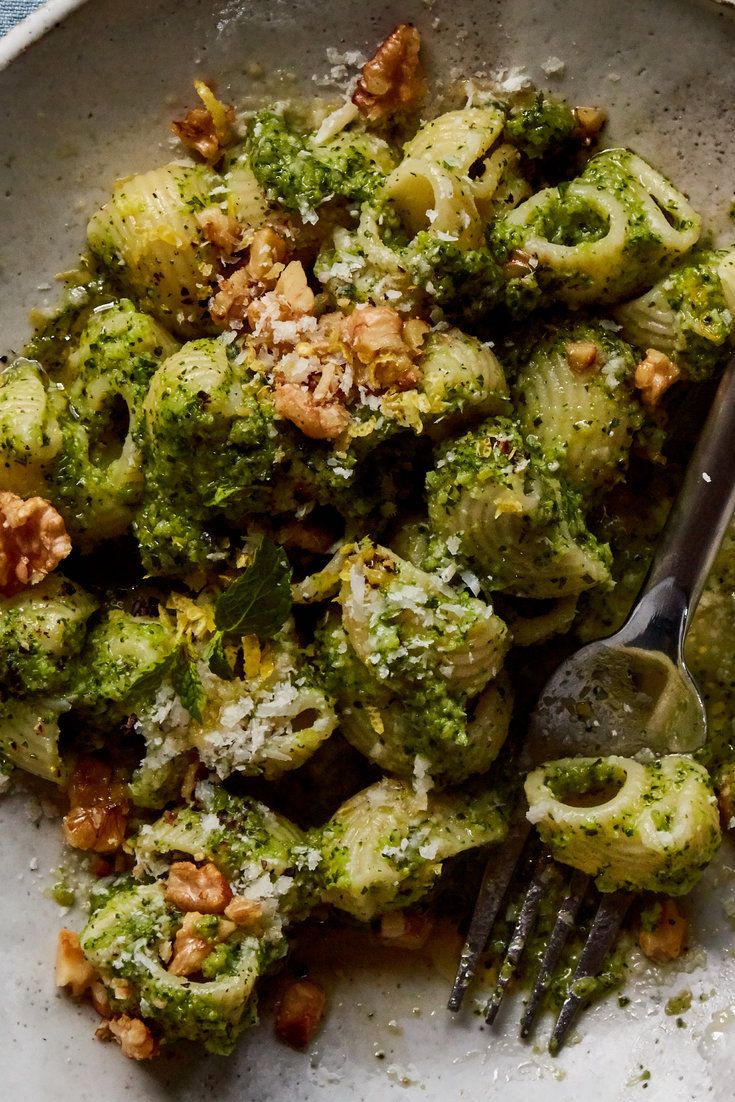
<point x="391" y="80"/>
<point x="667" y="940"/>
<point x="590" y="121"/>
<point x="33" y="541"/>
<point x="260" y="274"/>
<point x="581" y="356"/>
<point x="133" y="1035"/>
<point x="100" y="999"/>
<point x="293" y="289"/>
<point x="654" y="375"/>
<point x="519" y="264"/>
<point x="300" y="1013"/>
<point x="221" y="230"/>
<point x="405" y="931"/>
<point x="73" y="970"/>
<point x="267" y="255"/>
<point x="191" y="948"/>
<point x="98" y="815"/>
<point x="207" y="130"/>
<point x="191" y="888"/>
<point x="385" y="347"/>
<point x="317" y="420"/>
<point x="244" y="912"/>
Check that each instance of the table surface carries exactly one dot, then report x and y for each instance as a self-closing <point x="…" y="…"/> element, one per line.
<point x="12" y="11"/>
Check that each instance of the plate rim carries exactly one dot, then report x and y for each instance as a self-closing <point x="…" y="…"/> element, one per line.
<point x="35" y="25"/>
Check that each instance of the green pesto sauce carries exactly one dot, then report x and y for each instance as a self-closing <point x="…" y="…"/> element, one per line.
<point x="540" y="127"/>
<point x="301" y="177"/>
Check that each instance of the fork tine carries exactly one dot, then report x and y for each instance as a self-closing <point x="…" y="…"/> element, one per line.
<point x="496" y="878"/>
<point x="600" y="940"/>
<point x="542" y="876"/>
<point x="578" y="888"/>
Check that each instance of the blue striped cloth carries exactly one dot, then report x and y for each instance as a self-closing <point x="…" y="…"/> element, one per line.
<point x="12" y="11"/>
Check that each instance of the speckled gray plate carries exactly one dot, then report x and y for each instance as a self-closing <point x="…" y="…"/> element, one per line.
<point x="85" y="97"/>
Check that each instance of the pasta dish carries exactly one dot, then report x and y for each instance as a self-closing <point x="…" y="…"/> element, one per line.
<point x="352" y="422"/>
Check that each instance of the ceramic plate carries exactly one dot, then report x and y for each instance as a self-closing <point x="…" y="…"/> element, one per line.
<point x="85" y="96"/>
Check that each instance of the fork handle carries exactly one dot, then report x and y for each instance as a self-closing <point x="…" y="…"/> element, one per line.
<point x="692" y="534"/>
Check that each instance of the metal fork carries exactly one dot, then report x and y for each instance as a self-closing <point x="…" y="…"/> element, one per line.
<point x="620" y="695"/>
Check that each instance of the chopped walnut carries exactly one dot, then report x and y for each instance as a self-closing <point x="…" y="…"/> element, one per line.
<point x="230" y="304"/>
<point x="261" y="273"/>
<point x="33" y="541"/>
<point x="581" y="356"/>
<point x="291" y="300"/>
<point x="667" y="940"/>
<point x="189" y="783"/>
<point x="318" y="421"/>
<point x="191" y="948"/>
<point x="100" y="999"/>
<point x="244" y="912"/>
<point x="73" y="970"/>
<point x="98" y="815"/>
<point x="197" y="889"/>
<point x="405" y="931"/>
<point x="385" y="346"/>
<point x="267" y="256"/>
<point x="197" y="132"/>
<point x="133" y="1036"/>
<point x="121" y="988"/>
<point x="590" y="121"/>
<point x="391" y="80"/>
<point x="654" y="375"/>
<point x="208" y="129"/>
<point x="293" y="289"/>
<point x="300" y="1013"/>
<point x="221" y="230"/>
<point x="519" y="264"/>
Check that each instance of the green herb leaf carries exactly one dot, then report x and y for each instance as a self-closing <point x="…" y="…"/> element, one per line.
<point x="187" y="683"/>
<point x="259" y="601"/>
<point x="215" y="657"/>
<point x="148" y="682"/>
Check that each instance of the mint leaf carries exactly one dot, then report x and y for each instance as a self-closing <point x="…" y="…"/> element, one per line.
<point x="149" y="682"/>
<point x="259" y="601"/>
<point x="215" y="657"/>
<point x="187" y="683"/>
